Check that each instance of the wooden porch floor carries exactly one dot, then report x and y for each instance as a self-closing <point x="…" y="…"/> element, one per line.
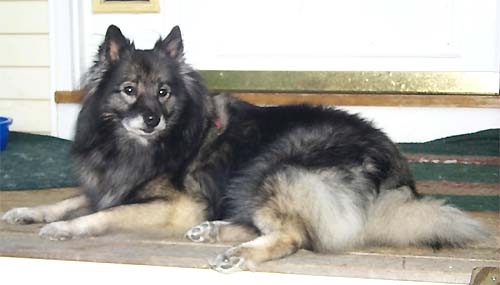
<point x="156" y="248"/>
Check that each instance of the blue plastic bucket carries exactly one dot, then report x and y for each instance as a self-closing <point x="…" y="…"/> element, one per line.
<point x="4" y="131"/>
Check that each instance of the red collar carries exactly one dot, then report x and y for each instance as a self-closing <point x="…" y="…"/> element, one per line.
<point x="218" y="124"/>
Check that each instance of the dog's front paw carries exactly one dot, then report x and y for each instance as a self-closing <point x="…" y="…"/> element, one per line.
<point x="229" y="262"/>
<point x="22" y="216"/>
<point x="58" y="231"/>
<point x="204" y="232"/>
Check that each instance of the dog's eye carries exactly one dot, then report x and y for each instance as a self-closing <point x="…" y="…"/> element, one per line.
<point x="129" y="90"/>
<point x="163" y="92"/>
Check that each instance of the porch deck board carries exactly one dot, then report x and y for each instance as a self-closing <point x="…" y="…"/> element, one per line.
<point x="155" y="247"/>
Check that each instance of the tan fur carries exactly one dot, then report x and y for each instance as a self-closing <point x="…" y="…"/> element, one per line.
<point x="46" y="213"/>
<point x="268" y="247"/>
<point x="175" y="216"/>
<point x="171" y="210"/>
<point x="322" y="206"/>
<point x="184" y="213"/>
<point x="114" y="51"/>
<point x="232" y="233"/>
<point x="398" y="219"/>
<point x="281" y="236"/>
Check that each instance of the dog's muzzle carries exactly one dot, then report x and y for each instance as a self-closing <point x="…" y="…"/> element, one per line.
<point x="145" y="125"/>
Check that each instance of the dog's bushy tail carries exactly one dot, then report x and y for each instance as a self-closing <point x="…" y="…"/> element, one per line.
<point x="398" y="218"/>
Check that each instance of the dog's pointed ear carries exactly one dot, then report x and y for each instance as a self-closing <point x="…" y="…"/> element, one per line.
<point x="172" y="44"/>
<point x="115" y="45"/>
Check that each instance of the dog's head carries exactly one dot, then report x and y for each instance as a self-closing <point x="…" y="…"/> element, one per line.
<point x="141" y="92"/>
<point x="144" y="112"/>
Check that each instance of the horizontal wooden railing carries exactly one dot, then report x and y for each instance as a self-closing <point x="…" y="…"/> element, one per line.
<point x="403" y="100"/>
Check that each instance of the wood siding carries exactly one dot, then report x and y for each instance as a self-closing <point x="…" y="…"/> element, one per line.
<point x="24" y="65"/>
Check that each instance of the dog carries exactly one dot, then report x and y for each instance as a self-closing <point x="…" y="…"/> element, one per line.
<point x="155" y="149"/>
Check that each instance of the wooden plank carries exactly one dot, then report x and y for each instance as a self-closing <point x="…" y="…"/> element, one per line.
<point x="68" y="96"/>
<point x="25" y="83"/>
<point x="24" y="17"/>
<point x="24" y="50"/>
<point x="447" y="158"/>
<point x="155" y="247"/>
<point x="343" y="99"/>
<point x="458" y="188"/>
<point x="29" y="116"/>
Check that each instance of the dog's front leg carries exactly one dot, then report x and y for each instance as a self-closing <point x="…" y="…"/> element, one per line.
<point x="175" y="216"/>
<point x="46" y="213"/>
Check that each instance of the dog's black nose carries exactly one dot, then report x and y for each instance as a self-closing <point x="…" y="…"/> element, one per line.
<point x="151" y="120"/>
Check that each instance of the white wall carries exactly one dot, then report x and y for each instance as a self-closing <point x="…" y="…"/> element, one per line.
<point x="56" y="272"/>
<point x="413" y="35"/>
<point x="24" y="65"/>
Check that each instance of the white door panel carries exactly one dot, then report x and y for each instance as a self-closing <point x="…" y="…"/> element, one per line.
<point x="414" y="35"/>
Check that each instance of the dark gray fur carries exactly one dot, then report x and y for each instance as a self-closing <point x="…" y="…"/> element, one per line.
<point x="249" y="165"/>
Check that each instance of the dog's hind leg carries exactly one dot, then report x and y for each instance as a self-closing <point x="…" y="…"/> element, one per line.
<point x="281" y="237"/>
<point x="46" y="213"/>
<point x="220" y="231"/>
<point x="297" y="209"/>
<point x="175" y="216"/>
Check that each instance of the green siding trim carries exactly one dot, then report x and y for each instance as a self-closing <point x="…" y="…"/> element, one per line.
<point x="456" y="172"/>
<point x="471" y="203"/>
<point x="483" y="143"/>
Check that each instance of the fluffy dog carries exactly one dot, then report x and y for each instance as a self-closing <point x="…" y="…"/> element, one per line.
<point x="153" y="148"/>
